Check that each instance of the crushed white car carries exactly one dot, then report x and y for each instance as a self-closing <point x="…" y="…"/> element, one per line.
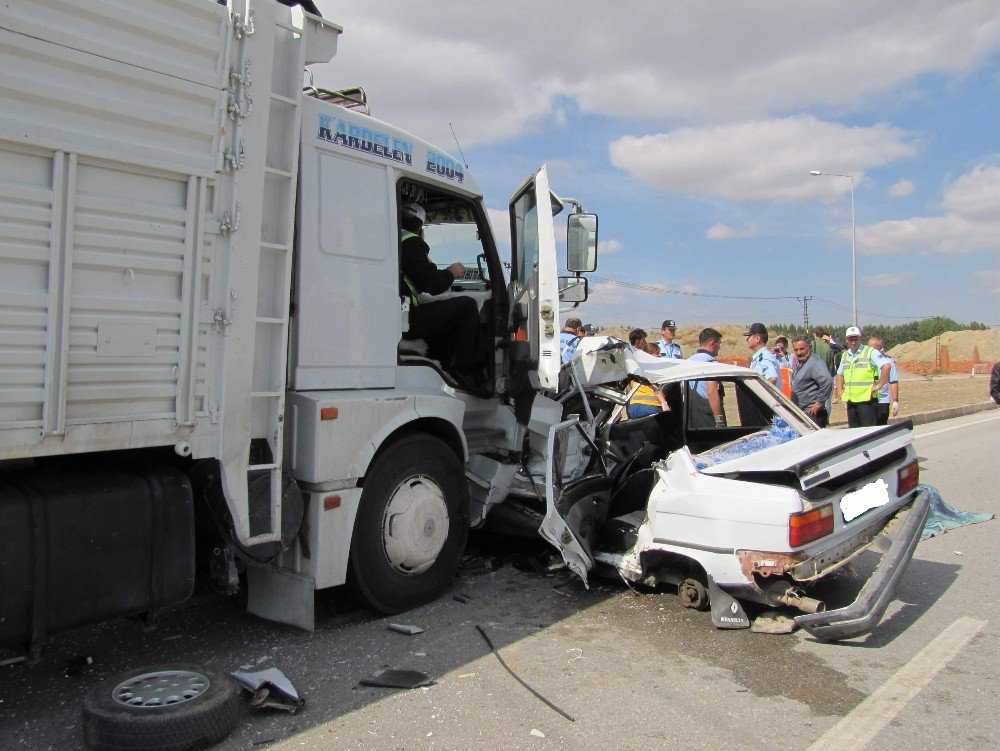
<point x="758" y="510"/>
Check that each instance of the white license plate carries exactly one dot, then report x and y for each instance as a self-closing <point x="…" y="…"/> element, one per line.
<point x="872" y="495"/>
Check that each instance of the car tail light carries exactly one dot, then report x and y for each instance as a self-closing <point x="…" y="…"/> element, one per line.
<point x="810" y="525"/>
<point x="907" y="478"/>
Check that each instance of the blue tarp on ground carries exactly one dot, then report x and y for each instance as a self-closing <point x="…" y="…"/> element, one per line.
<point x="944" y="517"/>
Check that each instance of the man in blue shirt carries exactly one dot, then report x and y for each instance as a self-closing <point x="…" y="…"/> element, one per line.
<point x="888" y="396"/>
<point x="705" y="406"/>
<point x="763" y="360"/>
<point x="569" y="337"/>
<point x="668" y="348"/>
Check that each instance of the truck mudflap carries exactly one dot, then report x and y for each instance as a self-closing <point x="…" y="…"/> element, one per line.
<point x="862" y="615"/>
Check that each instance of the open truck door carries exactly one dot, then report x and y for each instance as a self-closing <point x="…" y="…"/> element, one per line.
<point x="534" y="280"/>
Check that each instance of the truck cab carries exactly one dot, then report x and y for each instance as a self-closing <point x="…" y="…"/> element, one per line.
<point x="351" y="354"/>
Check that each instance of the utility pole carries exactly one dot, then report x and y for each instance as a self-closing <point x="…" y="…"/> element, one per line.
<point x="805" y="311"/>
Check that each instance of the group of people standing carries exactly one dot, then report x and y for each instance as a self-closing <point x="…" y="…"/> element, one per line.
<point x="862" y="376"/>
<point x="818" y="370"/>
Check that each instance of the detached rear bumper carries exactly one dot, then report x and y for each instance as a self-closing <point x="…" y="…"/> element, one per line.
<point x="862" y="615"/>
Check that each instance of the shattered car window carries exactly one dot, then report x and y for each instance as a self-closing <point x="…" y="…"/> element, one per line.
<point x="741" y="406"/>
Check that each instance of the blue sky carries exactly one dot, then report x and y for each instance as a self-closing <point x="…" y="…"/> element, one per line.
<point x="691" y="129"/>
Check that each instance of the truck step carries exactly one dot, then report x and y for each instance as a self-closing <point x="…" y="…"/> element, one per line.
<point x="482" y="438"/>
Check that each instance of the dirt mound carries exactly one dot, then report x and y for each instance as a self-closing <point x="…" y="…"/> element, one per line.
<point x="733" y="343"/>
<point x="960" y="347"/>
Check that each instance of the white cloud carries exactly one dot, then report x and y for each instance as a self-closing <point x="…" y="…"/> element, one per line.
<point x="902" y="188"/>
<point x="611" y="245"/>
<point x="971" y="222"/>
<point x="722" y="231"/>
<point x="774" y="57"/>
<point x="927" y="234"/>
<point x="886" y="280"/>
<point x="498" y="70"/>
<point x="760" y="161"/>
<point x="975" y="195"/>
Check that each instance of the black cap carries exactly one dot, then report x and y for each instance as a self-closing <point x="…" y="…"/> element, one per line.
<point x="669" y="324"/>
<point x="756" y="328"/>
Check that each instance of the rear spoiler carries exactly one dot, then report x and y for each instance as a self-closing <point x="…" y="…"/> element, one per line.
<point x="905" y="426"/>
<point x="810" y="474"/>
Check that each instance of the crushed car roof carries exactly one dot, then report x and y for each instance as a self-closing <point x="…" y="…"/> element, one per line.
<point x="657" y="369"/>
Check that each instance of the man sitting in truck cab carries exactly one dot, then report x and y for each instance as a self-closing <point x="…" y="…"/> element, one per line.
<point x="451" y="326"/>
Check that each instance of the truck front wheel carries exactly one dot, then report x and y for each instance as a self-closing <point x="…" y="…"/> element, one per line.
<point x="412" y="525"/>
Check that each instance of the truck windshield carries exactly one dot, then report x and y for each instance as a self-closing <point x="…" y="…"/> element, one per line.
<point x="454" y="242"/>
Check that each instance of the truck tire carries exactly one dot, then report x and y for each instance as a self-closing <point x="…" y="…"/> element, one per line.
<point x="171" y="708"/>
<point x="412" y="525"/>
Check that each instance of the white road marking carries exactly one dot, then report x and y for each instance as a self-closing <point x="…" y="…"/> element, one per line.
<point x="956" y="427"/>
<point x="860" y="726"/>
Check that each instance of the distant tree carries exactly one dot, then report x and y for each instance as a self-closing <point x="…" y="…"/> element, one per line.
<point x="890" y="334"/>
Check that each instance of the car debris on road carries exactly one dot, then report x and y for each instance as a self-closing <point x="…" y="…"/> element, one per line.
<point x="270" y="689"/>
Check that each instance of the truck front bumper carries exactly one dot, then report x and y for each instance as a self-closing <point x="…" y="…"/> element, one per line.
<point x="862" y="615"/>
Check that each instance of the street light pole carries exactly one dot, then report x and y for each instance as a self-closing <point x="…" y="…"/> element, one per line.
<point x="854" y="244"/>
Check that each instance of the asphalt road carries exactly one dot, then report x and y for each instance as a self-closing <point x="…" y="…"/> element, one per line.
<point x="636" y="671"/>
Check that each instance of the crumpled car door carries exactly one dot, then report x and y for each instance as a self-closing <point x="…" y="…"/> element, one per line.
<point x="563" y="452"/>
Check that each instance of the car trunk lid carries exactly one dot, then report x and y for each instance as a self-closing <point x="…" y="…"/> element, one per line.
<point x="820" y="456"/>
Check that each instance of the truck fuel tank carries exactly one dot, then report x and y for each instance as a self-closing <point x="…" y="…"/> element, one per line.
<point x="83" y="545"/>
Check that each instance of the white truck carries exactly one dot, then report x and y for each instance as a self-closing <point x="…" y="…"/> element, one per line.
<point x="202" y="333"/>
<point x="204" y="357"/>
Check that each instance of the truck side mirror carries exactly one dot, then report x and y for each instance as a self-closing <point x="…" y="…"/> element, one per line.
<point x="573" y="289"/>
<point x="581" y="242"/>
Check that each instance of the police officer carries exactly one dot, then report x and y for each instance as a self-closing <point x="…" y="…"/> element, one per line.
<point x="569" y="337"/>
<point x="668" y="347"/>
<point x="861" y="375"/>
<point x="888" y="397"/>
<point x="706" y="406"/>
<point x="451" y="326"/>
<point x="763" y="360"/>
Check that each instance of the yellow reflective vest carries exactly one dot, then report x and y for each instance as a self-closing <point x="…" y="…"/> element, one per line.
<point x="859" y="373"/>
<point x="414" y="300"/>
<point x="645" y="395"/>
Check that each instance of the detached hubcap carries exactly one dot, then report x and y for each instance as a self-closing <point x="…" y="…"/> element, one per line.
<point x="415" y="525"/>
<point x="161" y="688"/>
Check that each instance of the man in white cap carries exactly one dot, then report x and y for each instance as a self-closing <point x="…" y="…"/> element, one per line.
<point x="861" y="375"/>
<point x="451" y="327"/>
